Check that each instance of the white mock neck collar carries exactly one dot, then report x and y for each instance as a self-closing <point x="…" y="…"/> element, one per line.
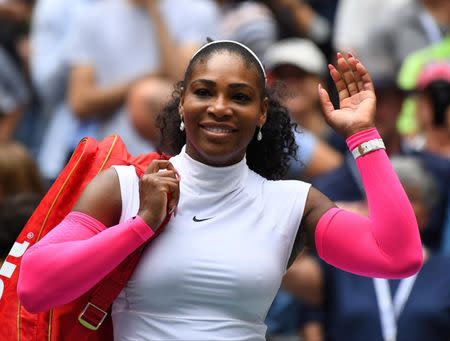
<point x="200" y="178"/>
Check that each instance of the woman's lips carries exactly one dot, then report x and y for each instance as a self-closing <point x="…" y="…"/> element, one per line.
<point x="215" y="131"/>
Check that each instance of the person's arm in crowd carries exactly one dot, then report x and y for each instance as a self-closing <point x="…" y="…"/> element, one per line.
<point x="87" y="98"/>
<point x="308" y="22"/>
<point x="387" y="242"/>
<point x="50" y="33"/>
<point x="174" y="56"/>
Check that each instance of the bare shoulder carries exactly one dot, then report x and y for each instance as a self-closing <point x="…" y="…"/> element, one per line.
<point x="317" y="204"/>
<point x="101" y="199"/>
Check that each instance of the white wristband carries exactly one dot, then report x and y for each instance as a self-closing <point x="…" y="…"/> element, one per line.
<point x="367" y="147"/>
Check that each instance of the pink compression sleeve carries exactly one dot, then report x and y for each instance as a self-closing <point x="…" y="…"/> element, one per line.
<point x="73" y="257"/>
<point x="387" y="243"/>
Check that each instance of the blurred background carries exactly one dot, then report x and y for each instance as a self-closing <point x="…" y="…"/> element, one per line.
<point x="70" y="69"/>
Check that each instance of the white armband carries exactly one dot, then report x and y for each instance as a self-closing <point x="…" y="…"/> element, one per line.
<point x="367" y="147"/>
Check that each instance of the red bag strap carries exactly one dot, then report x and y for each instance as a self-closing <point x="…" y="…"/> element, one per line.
<point x="105" y="292"/>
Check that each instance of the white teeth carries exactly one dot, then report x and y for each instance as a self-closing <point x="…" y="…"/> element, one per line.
<point x="218" y="130"/>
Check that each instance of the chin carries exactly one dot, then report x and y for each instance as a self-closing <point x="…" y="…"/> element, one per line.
<point x="221" y="155"/>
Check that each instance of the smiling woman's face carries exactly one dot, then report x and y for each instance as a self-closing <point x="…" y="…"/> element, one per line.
<point x="221" y="106"/>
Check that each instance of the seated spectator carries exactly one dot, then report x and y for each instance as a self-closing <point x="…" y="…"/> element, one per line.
<point x="298" y="66"/>
<point x="433" y="109"/>
<point x="155" y="38"/>
<point x="361" y="14"/>
<point x="18" y="171"/>
<point x="143" y="104"/>
<point x="249" y="22"/>
<point x="53" y="131"/>
<point x="308" y="19"/>
<point x="14" y="97"/>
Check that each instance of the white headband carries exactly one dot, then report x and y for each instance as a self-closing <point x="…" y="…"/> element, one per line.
<point x="237" y="43"/>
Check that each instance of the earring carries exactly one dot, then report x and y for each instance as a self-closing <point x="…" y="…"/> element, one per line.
<point x="182" y="125"/>
<point x="259" y="136"/>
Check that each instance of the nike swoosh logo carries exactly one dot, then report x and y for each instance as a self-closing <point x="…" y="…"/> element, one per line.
<point x="199" y="220"/>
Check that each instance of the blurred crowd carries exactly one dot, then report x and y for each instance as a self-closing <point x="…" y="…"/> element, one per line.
<point x="75" y="68"/>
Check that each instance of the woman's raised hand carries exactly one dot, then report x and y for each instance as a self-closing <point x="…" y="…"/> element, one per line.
<point x="159" y="192"/>
<point x="357" y="101"/>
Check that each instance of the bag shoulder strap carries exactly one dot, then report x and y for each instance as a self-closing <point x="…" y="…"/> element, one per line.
<point x="107" y="290"/>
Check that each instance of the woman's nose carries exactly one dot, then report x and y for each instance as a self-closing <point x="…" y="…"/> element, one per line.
<point x="220" y="107"/>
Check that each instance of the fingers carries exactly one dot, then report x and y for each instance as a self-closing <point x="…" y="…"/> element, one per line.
<point x="347" y="74"/>
<point x="174" y="197"/>
<point x="350" y="76"/>
<point x="353" y="62"/>
<point x="339" y="82"/>
<point x="327" y="106"/>
<point x="365" y="77"/>
<point x="158" y="166"/>
<point x="164" y="178"/>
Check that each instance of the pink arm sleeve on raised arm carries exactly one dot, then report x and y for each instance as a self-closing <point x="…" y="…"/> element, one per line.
<point x="386" y="244"/>
<point x="74" y="257"/>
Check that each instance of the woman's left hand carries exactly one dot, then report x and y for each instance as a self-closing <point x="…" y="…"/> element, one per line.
<point x="357" y="101"/>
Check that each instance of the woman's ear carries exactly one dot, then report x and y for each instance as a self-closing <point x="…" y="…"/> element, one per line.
<point x="264" y="108"/>
<point x="180" y="106"/>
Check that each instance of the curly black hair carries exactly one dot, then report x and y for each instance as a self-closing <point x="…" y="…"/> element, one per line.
<point x="270" y="156"/>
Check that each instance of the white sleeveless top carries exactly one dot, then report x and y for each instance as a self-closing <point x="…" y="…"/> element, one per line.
<point x="214" y="271"/>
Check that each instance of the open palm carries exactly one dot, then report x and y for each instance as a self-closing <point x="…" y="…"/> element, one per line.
<point x="357" y="101"/>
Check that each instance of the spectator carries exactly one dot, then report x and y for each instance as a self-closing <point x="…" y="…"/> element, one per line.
<point x="14" y="97"/>
<point x="305" y="19"/>
<point x="144" y="102"/>
<point x="404" y="30"/>
<point x="249" y="22"/>
<point x="156" y="38"/>
<point x="299" y="66"/>
<point x="15" y="94"/>
<point x="18" y="171"/>
<point x="361" y="14"/>
<point x="433" y="109"/>
<point x="54" y="130"/>
<point x="14" y="18"/>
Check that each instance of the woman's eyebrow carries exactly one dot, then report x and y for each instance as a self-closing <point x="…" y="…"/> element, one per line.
<point x="240" y="85"/>
<point x="204" y="81"/>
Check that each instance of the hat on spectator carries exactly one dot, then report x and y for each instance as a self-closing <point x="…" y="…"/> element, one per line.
<point x="301" y="53"/>
<point x="432" y="72"/>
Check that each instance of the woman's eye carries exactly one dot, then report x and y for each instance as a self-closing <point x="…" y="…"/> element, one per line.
<point x="241" y="98"/>
<point x="202" y="92"/>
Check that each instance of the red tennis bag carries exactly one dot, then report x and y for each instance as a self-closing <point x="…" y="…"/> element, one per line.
<point x="87" y="318"/>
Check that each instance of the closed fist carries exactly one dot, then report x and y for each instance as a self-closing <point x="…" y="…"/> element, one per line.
<point x="159" y="192"/>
